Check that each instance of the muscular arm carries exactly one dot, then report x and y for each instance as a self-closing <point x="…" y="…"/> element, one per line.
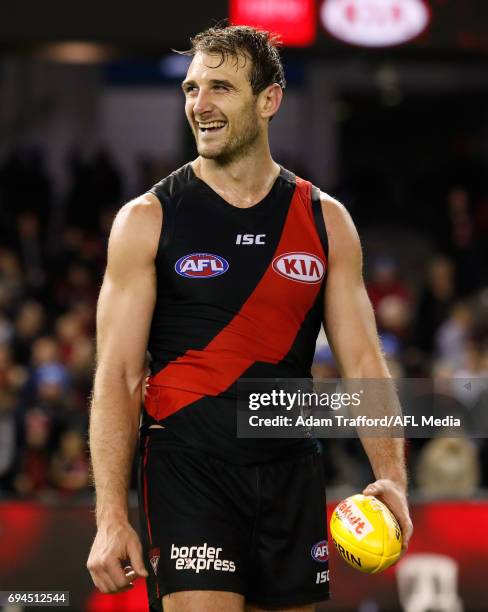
<point x="351" y="329"/>
<point x="124" y="314"/>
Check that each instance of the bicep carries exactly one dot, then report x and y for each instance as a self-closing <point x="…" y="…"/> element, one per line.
<point x="348" y="315"/>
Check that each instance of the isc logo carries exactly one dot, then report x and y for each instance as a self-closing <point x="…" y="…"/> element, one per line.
<point x="201" y="265"/>
<point x="320" y="551"/>
<point x="250" y="238"/>
<point x="301" y="267"/>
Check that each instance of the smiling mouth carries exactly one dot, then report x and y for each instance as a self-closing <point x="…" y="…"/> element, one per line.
<point x="211" y="126"/>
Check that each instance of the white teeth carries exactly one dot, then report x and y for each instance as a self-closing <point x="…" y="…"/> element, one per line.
<point x="212" y="124"/>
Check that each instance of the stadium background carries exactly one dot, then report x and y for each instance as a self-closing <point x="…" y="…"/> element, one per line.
<point x="91" y="115"/>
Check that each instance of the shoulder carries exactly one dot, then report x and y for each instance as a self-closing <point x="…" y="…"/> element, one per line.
<point x="144" y="209"/>
<point x="341" y="231"/>
<point x="169" y="188"/>
<point x="137" y="226"/>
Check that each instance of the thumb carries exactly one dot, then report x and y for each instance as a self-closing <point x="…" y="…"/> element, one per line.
<point x="372" y="489"/>
<point x="134" y="550"/>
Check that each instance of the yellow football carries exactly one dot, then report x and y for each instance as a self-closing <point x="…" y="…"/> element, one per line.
<point x="366" y="534"/>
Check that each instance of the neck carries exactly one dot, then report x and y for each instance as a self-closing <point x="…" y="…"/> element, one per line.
<point x="242" y="182"/>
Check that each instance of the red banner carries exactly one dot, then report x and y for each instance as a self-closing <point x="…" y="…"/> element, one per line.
<point x="293" y="20"/>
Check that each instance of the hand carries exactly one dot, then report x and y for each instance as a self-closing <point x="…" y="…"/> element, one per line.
<point x="115" y="558"/>
<point x="394" y="496"/>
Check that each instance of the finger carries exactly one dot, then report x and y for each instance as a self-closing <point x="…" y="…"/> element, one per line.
<point x="389" y="496"/>
<point x="400" y="512"/>
<point x="113" y="586"/>
<point x="134" y="550"/>
<point x="99" y="579"/>
<point x="117" y="575"/>
<point x="376" y="488"/>
<point x="104" y="583"/>
<point x="113" y="589"/>
<point x="407" y="530"/>
<point x="369" y="490"/>
<point x="129" y="572"/>
<point x="129" y="587"/>
<point x="397" y="506"/>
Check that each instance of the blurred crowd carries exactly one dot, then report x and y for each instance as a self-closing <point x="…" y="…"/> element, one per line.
<point x="52" y="258"/>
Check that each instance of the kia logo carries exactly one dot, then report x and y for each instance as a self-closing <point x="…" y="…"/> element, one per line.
<point x="301" y="267"/>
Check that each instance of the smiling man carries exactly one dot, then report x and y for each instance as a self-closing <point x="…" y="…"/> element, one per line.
<point x="219" y="272"/>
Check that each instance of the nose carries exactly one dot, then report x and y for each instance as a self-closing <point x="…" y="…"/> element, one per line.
<point x="202" y="102"/>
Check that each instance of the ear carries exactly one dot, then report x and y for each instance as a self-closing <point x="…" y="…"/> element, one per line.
<point x="269" y="101"/>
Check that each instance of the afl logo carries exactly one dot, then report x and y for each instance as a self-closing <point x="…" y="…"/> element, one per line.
<point x="300" y="267"/>
<point x="320" y="551"/>
<point x="201" y="265"/>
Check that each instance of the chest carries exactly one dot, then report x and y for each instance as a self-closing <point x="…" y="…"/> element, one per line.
<point x="220" y="256"/>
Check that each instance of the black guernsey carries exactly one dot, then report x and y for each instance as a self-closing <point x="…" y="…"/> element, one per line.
<point x="239" y="295"/>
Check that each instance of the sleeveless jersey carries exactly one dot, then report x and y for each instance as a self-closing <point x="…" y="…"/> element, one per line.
<point x="239" y="295"/>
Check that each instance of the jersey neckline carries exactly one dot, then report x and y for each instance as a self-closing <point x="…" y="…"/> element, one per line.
<point x="283" y="174"/>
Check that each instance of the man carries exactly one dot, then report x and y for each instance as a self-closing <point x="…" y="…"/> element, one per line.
<point x="199" y="273"/>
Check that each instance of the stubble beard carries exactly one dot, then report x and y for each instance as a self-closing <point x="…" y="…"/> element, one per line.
<point x="237" y="145"/>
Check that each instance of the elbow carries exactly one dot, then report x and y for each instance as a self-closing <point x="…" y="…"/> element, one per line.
<point x="370" y="365"/>
<point x="119" y="380"/>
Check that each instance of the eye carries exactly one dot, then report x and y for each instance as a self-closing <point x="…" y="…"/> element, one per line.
<point x="221" y="88"/>
<point x="190" y="89"/>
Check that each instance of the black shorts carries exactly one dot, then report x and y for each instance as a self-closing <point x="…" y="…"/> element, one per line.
<point x="259" y="530"/>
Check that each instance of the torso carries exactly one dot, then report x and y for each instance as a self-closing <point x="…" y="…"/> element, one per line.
<point x="239" y="295"/>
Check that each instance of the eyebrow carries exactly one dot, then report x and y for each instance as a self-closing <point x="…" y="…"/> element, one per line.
<point x="212" y="82"/>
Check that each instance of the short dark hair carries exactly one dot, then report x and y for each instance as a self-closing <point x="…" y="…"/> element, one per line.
<point x="232" y="41"/>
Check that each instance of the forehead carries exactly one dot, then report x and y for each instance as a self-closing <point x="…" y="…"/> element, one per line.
<point x="206" y="66"/>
